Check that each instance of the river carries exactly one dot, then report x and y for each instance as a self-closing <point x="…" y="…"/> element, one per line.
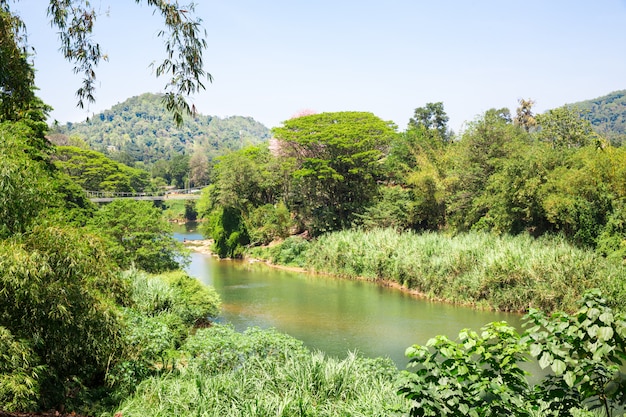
<point x="330" y="314"/>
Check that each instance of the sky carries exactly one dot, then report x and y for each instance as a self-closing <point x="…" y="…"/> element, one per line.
<point x="272" y="59"/>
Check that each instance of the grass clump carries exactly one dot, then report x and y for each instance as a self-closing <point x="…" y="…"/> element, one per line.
<point x="262" y="372"/>
<point x="290" y="252"/>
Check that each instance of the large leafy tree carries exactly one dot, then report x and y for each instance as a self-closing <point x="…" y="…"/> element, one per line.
<point x="138" y="235"/>
<point x="433" y="119"/>
<point x="183" y="63"/>
<point x="338" y="162"/>
<point x="564" y="128"/>
<point x="474" y="159"/>
<point x="245" y="200"/>
<point x="94" y="171"/>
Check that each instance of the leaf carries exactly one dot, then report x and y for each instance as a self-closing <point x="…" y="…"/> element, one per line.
<point x="545" y="360"/>
<point x="605" y="333"/>
<point x="535" y="350"/>
<point x="606" y="318"/>
<point x="569" y="378"/>
<point x="558" y="367"/>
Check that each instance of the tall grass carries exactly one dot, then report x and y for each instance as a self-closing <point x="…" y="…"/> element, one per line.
<point x="279" y="379"/>
<point x="508" y="273"/>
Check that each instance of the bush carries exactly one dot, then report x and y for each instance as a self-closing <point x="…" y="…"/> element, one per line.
<point x="58" y="293"/>
<point x="269" y="222"/>
<point x="262" y="373"/>
<point x="19" y="386"/>
<point x="159" y="317"/>
<point x="228" y="231"/>
<point x="290" y="252"/>
<point x="138" y="235"/>
<point x="480" y="374"/>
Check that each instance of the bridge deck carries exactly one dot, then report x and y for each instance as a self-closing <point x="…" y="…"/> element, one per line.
<point x="106" y="197"/>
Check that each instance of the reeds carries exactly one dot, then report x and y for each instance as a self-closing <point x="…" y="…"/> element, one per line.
<point x="279" y="379"/>
<point x="507" y="273"/>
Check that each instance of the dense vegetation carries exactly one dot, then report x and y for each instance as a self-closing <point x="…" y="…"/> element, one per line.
<point x="141" y="129"/>
<point x="85" y="326"/>
<point x="504" y="273"/>
<point x="607" y="114"/>
<point x="528" y="176"/>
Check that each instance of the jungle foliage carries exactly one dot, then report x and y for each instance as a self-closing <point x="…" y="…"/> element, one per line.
<point x="480" y="374"/>
<point x="607" y="114"/>
<point x="141" y="129"/>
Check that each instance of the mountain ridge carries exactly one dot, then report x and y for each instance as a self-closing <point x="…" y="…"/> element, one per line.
<point x="139" y="129"/>
<point x="607" y="114"/>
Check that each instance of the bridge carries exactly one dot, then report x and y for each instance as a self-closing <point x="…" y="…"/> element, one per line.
<point x="108" y="196"/>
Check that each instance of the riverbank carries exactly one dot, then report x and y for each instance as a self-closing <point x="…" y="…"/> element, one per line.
<point x="484" y="271"/>
<point x="199" y="245"/>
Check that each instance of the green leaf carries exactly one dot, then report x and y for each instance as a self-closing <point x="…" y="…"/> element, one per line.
<point x="569" y="378"/>
<point x="545" y="360"/>
<point x="605" y="333"/>
<point x="558" y="367"/>
<point x="606" y="318"/>
<point x="535" y="350"/>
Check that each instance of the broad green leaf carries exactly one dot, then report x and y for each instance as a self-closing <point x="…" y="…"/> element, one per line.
<point x="545" y="360"/>
<point x="558" y="367"/>
<point x="606" y="318"/>
<point x="605" y="333"/>
<point x="535" y="350"/>
<point x="569" y="378"/>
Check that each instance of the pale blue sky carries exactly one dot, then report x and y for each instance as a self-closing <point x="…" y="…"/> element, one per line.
<point x="273" y="58"/>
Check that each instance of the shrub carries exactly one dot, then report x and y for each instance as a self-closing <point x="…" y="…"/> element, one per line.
<point x="480" y="374"/>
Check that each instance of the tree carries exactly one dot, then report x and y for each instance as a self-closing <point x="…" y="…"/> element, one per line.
<point x="433" y="119"/>
<point x="178" y="170"/>
<point x="228" y="231"/>
<point x="138" y="235"/>
<point x="75" y="19"/>
<point x="338" y="162"/>
<point x="198" y="170"/>
<point x="16" y="75"/>
<point x="564" y="128"/>
<point x="26" y="186"/>
<point x="95" y="172"/>
<point x="524" y="115"/>
<point x="475" y="158"/>
<point x="246" y="197"/>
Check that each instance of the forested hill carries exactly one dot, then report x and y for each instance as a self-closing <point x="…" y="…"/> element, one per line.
<point x="141" y="129"/>
<point x="607" y="114"/>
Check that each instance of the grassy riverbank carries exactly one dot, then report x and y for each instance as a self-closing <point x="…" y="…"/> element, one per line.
<point x="261" y="373"/>
<point x="497" y="272"/>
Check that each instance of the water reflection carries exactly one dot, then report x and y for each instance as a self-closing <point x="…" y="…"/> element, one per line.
<point x="331" y="314"/>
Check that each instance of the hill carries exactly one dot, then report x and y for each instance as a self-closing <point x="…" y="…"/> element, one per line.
<point x="141" y="129"/>
<point x="607" y="114"/>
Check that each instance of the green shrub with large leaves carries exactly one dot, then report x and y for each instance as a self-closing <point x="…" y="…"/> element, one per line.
<point x="582" y="355"/>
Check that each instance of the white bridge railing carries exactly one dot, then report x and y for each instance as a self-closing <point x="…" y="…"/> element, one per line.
<point x="104" y="196"/>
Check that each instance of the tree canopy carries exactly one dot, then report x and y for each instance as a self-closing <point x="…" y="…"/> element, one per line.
<point x="338" y="162"/>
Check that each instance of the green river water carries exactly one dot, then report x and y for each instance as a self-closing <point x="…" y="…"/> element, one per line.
<point x="330" y="314"/>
